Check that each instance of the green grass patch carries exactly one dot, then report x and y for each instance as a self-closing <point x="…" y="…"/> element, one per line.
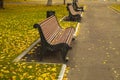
<point x="116" y="7"/>
<point x="17" y="33"/>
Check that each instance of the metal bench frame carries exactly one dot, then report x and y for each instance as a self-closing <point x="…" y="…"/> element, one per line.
<point x="63" y="47"/>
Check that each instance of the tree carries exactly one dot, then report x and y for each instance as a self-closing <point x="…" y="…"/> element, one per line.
<point x="64" y="2"/>
<point x="1" y="3"/>
<point x="49" y="2"/>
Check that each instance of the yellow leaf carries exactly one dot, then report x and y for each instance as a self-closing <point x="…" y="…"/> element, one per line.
<point x="115" y="71"/>
<point x="4" y="67"/>
<point x="53" y="69"/>
<point x="13" y="77"/>
<point x="39" y="78"/>
<point x="1" y="75"/>
<point x="104" y="62"/>
<point x="30" y="77"/>
<point x="6" y="71"/>
<point x="47" y="78"/>
<point x="29" y="67"/>
<point x="44" y="75"/>
<point x="13" y="72"/>
<point x="25" y="74"/>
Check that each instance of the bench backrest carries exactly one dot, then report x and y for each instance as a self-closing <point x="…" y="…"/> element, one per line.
<point x="77" y="5"/>
<point x="71" y="9"/>
<point x="50" y="28"/>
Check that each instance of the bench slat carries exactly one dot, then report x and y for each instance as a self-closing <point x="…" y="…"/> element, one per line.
<point x="50" y="32"/>
<point x="63" y="36"/>
<point x="70" y="37"/>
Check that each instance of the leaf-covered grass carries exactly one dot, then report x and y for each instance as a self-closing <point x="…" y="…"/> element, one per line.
<point x="29" y="71"/>
<point x="18" y="0"/>
<point x="116" y="7"/>
<point x="66" y="24"/>
<point x="17" y="33"/>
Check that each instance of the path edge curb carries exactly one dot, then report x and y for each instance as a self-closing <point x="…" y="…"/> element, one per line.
<point x="61" y="74"/>
<point x="17" y="59"/>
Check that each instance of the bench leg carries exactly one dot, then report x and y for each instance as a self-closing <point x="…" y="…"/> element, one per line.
<point x="63" y="48"/>
<point x="42" y="52"/>
<point x="64" y="52"/>
<point x="73" y="39"/>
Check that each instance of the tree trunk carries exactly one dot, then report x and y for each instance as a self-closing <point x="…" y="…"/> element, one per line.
<point x="64" y="2"/>
<point x="49" y="2"/>
<point x="1" y="3"/>
<point x="75" y="0"/>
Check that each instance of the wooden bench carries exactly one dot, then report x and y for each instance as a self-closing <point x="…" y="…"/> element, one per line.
<point x="76" y="7"/>
<point x="73" y="15"/>
<point x="53" y="37"/>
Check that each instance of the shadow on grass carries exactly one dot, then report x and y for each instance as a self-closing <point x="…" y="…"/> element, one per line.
<point x="49" y="57"/>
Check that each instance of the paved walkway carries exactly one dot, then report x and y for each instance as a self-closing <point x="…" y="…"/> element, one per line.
<point x="96" y="52"/>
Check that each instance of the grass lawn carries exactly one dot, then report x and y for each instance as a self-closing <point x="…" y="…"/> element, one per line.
<point x="116" y="7"/>
<point x="17" y="33"/>
<point x="19" y="0"/>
